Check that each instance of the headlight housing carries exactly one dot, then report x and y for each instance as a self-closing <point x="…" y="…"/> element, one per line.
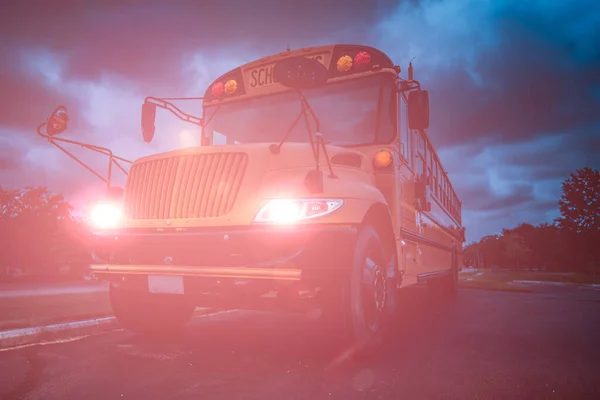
<point x="107" y="215"/>
<point x="289" y="211"/>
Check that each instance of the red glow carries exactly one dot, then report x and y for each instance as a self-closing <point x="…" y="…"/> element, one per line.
<point x="362" y="59"/>
<point x="217" y="89"/>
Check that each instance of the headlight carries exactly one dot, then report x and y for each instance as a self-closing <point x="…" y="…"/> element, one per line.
<point x="107" y="215"/>
<point x="288" y="211"/>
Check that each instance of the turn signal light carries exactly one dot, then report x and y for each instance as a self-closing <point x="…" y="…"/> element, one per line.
<point x="382" y="159"/>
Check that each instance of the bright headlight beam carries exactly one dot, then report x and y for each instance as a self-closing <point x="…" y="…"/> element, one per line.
<point x="289" y="211"/>
<point x="106" y="215"/>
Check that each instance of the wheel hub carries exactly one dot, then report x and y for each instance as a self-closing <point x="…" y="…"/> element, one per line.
<point x="379" y="285"/>
<point x="380" y="289"/>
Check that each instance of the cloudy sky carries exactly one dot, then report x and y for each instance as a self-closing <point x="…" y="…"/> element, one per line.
<point x="514" y="85"/>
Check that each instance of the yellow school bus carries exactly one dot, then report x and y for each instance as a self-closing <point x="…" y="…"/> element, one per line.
<point x="315" y="189"/>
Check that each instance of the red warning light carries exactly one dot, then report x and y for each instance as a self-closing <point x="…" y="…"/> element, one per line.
<point x="217" y="89"/>
<point x="362" y="59"/>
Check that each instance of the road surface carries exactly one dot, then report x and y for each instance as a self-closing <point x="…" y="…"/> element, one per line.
<point x="486" y="345"/>
<point x="45" y="289"/>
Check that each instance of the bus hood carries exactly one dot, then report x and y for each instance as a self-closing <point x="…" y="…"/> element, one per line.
<point x="224" y="185"/>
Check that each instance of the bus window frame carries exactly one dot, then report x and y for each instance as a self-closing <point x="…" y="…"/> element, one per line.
<point x="442" y="189"/>
<point x="421" y="144"/>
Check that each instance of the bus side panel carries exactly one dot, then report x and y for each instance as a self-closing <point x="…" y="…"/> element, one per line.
<point x="409" y="248"/>
<point x="437" y="226"/>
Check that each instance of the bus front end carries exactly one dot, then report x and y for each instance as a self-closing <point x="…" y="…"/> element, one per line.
<point x="291" y="203"/>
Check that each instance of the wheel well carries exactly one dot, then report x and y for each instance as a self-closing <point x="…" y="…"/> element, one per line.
<point x="379" y="217"/>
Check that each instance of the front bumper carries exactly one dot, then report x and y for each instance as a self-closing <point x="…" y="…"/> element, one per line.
<point x="294" y="253"/>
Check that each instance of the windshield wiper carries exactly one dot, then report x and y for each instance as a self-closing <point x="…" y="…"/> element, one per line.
<point x="314" y="180"/>
<point x="318" y="134"/>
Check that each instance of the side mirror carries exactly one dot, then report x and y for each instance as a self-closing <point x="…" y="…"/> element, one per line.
<point x="418" y="109"/>
<point x="148" y="117"/>
<point x="57" y="123"/>
<point x="300" y="73"/>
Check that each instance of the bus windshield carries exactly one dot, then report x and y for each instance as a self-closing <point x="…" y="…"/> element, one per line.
<point x="355" y="112"/>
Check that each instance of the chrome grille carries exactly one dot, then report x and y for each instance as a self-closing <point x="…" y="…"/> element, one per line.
<point x="189" y="186"/>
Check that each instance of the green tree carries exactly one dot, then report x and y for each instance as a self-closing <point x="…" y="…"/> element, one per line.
<point x="490" y="251"/>
<point x="470" y="254"/>
<point x="516" y="252"/>
<point x="548" y="248"/>
<point x="580" y="219"/>
<point x="580" y="201"/>
<point x="37" y="230"/>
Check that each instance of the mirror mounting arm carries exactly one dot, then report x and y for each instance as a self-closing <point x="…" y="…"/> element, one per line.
<point x="102" y="150"/>
<point x="163" y="103"/>
<point x="408" y="85"/>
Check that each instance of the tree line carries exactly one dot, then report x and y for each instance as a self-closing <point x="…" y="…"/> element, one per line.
<point x="571" y="243"/>
<point x="40" y="237"/>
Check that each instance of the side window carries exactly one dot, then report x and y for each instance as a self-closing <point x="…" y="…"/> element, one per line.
<point x="438" y="180"/>
<point x="435" y="178"/>
<point x="443" y="188"/>
<point x="430" y="169"/>
<point x="404" y="132"/>
<point x="421" y="155"/>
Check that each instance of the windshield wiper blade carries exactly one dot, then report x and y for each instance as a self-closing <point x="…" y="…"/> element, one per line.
<point x="275" y="148"/>
<point x="320" y="142"/>
<point x="318" y="135"/>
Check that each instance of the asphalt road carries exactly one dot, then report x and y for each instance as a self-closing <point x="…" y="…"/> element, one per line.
<point x="45" y="289"/>
<point x="485" y="345"/>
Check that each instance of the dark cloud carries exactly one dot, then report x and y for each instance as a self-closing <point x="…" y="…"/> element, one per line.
<point x="555" y="156"/>
<point x="147" y="40"/>
<point x="527" y="91"/>
<point x="11" y="158"/>
<point x="481" y="197"/>
<point x="547" y="172"/>
<point x="25" y="101"/>
<point x="504" y="70"/>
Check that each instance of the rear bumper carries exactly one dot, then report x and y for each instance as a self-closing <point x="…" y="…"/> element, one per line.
<point x="299" y="253"/>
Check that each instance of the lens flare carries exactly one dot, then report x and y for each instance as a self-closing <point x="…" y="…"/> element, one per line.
<point x="106" y="215"/>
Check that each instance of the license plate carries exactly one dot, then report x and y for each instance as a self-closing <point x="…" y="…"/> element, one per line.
<point x="165" y="284"/>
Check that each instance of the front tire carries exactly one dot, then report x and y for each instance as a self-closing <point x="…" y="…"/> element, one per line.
<point x="149" y="314"/>
<point x="369" y="300"/>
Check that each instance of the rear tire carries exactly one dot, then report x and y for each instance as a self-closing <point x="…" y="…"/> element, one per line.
<point x="446" y="286"/>
<point x="149" y="314"/>
<point x="451" y="281"/>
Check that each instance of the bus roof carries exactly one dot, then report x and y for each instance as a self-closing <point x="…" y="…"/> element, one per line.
<point x="256" y="77"/>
